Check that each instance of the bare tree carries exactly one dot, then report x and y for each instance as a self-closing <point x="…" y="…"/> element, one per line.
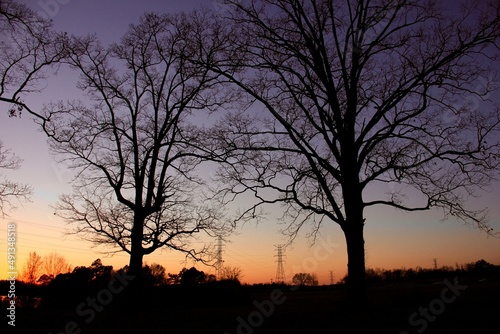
<point x="10" y="190"/>
<point x="231" y="273"/>
<point x="32" y="269"/>
<point x="54" y="264"/>
<point x="133" y="147"/>
<point x="360" y="95"/>
<point x="28" y="46"/>
<point x="305" y="279"/>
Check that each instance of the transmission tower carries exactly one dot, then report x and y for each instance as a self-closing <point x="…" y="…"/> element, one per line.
<point x="280" y="271"/>
<point x="331" y="277"/>
<point x="219" y="263"/>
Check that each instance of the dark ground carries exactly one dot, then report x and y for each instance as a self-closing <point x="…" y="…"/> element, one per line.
<point x="305" y="310"/>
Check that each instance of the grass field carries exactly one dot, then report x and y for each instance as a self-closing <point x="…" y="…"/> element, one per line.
<point x="401" y="307"/>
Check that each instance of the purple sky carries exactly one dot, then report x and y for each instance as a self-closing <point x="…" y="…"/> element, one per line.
<point x="108" y="18"/>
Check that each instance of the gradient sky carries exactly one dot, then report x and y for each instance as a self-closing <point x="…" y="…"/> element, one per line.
<point x="393" y="239"/>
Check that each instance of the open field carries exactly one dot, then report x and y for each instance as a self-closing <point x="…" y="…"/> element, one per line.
<point x="453" y="307"/>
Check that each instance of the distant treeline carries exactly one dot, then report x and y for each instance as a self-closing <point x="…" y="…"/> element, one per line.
<point x="191" y="286"/>
<point x="68" y="289"/>
<point x="476" y="270"/>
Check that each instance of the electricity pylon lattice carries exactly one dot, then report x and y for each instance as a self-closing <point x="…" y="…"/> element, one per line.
<point x="280" y="271"/>
<point x="219" y="263"/>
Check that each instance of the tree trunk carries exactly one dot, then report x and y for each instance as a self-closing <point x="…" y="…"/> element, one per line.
<point x="356" y="286"/>
<point x="135" y="263"/>
<point x="353" y="231"/>
<point x="136" y="250"/>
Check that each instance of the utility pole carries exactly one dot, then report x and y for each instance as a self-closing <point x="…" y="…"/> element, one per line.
<point x="219" y="263"/>
<point x="280" y="271"/>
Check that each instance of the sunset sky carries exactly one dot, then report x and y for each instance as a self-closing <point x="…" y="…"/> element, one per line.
<point x="393" y="239"/>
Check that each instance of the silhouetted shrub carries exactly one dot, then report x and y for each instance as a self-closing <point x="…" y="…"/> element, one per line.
<point x="193" y="276"/>
<point x="153" y="275"/>
<point x="305" y="279"/>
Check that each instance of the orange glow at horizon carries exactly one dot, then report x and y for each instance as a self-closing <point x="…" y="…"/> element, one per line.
<point x="388" y="246"/>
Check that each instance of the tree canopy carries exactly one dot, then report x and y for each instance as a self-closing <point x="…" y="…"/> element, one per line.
<point x="11" y="190"/>
<point x="356" y="95"/>
<point x="132" y="143"/>
<point x="28" y="47"/>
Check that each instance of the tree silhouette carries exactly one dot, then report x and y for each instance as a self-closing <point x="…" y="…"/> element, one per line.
<point x="45" y="279"/>
<point x="28" y="46"/>
<point x="305" y="279"/>
<point x="154" y="274"/>
<point x="10" y="190"/>
<point x="231" y="273"/>
<point x="173" y="278"/>
<point x="54" y="264"/>
<point x="359" y="96"/>
<point x="133" y="146"/>
<point x="102" y="274"/>
<point x="192" y="276"/>
<point x="32" y="269"/>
